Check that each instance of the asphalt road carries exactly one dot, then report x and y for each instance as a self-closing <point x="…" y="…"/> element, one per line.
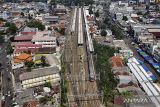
<point x="6" y="76"/>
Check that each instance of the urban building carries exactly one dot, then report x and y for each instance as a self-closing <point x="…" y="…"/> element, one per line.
<point x="39" y="77"/>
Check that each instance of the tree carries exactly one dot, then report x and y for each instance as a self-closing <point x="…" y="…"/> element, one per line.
<point x="103" y="26"/>
<point x="103" y="33"/>
<point x="12" y="27"/>
<point x="106" y="20"/>
<point x="45" y="99"/>
<point x="30" y="17"/>
<point x="9" y="49"/>
<point x="1" y="39"/>
<point x="108" y="82"/>
<point x="157" y="8"/>
<point x="29" y="65"/>
<point x="36" y="24"/>
<point x="125" y="18"/>
<point x="62" y="31"/>
<point x="48" y="84"/>
<point x="147" y="7"/>
<point x="1" y="19"/>
<point x="43" y="60"/>
<point x="90" y="10"/>
<point x="22" y="14"/>
<point x="139" y="13"/>
<point x="97" y="13"/>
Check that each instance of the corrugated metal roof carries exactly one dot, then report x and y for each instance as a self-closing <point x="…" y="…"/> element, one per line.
<point x="39" y="73"/>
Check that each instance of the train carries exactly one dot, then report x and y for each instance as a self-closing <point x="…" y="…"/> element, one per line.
<point x="80" y="29"/>
<point x="89" y="42"/>
<point x="92" y="75"/>
<point x="90" y="48"/>
<point x="74" y="21"/>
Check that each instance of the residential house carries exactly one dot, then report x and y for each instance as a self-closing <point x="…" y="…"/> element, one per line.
<point x="122" y="73"/>
<point x="15" y="13"/>
<point x="51" y="19"/>
<point x="18" y="61"/>
<point x="155" y="32"/>
<point x="60" y="10"/>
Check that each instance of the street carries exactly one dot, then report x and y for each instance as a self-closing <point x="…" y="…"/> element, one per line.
<point x="7" y="89"/>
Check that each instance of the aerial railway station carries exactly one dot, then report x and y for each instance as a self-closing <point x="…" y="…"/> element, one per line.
<point x="82" y="32"/>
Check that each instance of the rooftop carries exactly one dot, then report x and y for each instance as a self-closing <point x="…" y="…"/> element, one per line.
<point x="153" y="30"/>
<point x="23" y="57"/>
<point x="43" y="36"/>
<point x="27" y="45"/>
<point x="39" y="73"/>
<point x="30" y="104"/>
<point x="23" y="37"/>
<point x="117" y="61"/>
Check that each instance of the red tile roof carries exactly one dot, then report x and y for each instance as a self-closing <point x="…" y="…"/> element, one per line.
<point x="23" y="58"/>
<point x="117" y="61"/>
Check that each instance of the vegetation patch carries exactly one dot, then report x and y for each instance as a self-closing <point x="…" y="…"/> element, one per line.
<point x="107" y="81"/>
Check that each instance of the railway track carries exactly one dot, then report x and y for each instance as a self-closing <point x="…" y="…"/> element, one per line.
<point x="81" y="90"/>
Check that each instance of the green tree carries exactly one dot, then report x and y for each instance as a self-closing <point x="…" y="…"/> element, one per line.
<point x="103" y="33"/>
<point x="30" y="17"/>
<point x="62" y="31"/>
<point x="43" y="60"/>
<point x="103" y="26"/>
<point x="9" y="49"/>
<point x="48" y="84"/>
<point x="125" y="18"/>
<point x="22" y="14"/>
<point x="45" y="99"/>
<point x="139" y="13"/>
<point x="106" y="20"/>
<point x="157" y="8"/>
<point x="1" y="39"/>
<point x="36" y="24"/>
<point x="147" y="7"/>
<point x="1" y="19"/>
<point x="97" y="13"/>
<point x="29" y="65"/>
<point x="12" y="27"/>
<point x="90" y="10"/>
<point x="108" y="82"/>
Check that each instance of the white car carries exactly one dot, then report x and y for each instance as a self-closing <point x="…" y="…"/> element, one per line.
<point x="3" y="98"/>
<point x="9" y="93"/>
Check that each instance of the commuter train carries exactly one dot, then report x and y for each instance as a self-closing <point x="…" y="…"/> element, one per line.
<point x="74" y="21"/>
<point x="80" y="29"/>
<point x="91" y="69"/>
